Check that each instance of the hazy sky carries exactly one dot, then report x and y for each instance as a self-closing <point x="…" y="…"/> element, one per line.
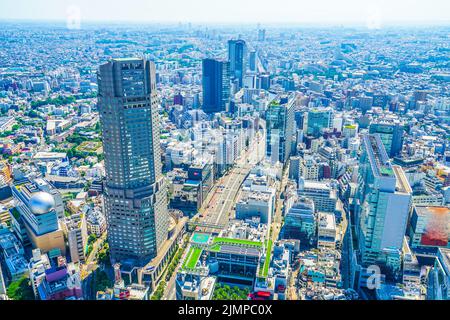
<point x="373" y="13"/>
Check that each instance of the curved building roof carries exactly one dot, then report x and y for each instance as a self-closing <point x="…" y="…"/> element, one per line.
<point x="41" y="203"/>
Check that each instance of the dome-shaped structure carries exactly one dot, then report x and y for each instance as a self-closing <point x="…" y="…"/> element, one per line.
<point x="42" y="202"/>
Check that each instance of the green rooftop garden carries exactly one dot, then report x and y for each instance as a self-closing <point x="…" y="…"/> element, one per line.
<point x="264" y="270"/>
<point x="386" y="171"/>
<point x="215" y="248"/>
<point x="218" y="241"/>
<point x="192" y="258"/>
<point x="275" y="103"/>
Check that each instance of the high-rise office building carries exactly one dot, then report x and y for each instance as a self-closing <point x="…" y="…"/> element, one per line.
<point x="216" y="85"/>
<point x="385" y="201"/>
<point x="280" y="128"/>
<point x="237" y="55"/>
<point x="135" y="191"/>
<point x="318" y="120"/>
<point x="263" y="82"/>
<point x="391" y="134"/>
<point x="252" y="61"/>
<point x="261" y="34"/>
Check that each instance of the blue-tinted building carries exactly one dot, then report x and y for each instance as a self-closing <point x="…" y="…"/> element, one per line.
<point x="385" y="201"/>
<point x="280" y="128"/>
<point x="300" y="222"/>
<point x="216" y="85"/>
<point x="318" y="120"/>
<point x="237" y="55"/>
<point x="391" y="135"/>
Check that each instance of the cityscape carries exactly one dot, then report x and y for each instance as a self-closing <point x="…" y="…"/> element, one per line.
<point x="202" y="161"/>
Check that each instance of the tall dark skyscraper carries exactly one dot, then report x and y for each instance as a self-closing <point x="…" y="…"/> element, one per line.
<point x="135" y="192"/>
<point x="216" y="85"/>
<point x="280" y="121"/>
<point x="237" y="55"/>
<point x="252" y="61"/>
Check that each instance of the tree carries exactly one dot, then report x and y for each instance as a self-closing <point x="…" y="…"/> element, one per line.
<point x="89" y="250"/>
<point x="102" y="281"/>
<point x="58" y="101"/>
<point x="20" y="290"/>
<point x="159" y="292"/>
<point x="225" y="292"/>
<point x="92" y="238"/>
<point x="103" y="254"/>
<point x="76" y="139"/>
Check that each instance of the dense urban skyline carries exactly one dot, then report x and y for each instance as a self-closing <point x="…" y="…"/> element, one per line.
<point x="247" y="161"/>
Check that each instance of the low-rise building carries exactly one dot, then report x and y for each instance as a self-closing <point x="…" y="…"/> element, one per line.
<point x="38" y="264"/>
<point x="429" y="227"/>
<point x="191" y="286"/>
<point x="300" y="222"/>
<point x="256" y="203"/>
<point x="61" y="282"/>
<point x="75" y="230"/>
<point x="322" y="193"/>
<point x="326" y="231"/>
<point x="13" y="254"/>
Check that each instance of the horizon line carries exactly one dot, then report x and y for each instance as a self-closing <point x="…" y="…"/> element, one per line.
<point x="262" y="25"/>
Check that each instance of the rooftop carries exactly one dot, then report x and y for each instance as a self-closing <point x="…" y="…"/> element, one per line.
<point x="402" y="182"/>
<point x="264" y="269"/>
<point x="381" y="164"/>
<point x="241" y="242"/>
<point x="200" y="238"/>
<point x="327" y="221"/>
<point x="49" y="155"/>
<point x="130" y="59"/>
<point x="192" y="257"/>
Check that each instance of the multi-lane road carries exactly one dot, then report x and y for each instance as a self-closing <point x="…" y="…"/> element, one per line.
<point x="277" y="221"/>
<point x="219" y="207"/>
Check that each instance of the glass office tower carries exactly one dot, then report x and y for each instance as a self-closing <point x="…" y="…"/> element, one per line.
<point x="280" y="128"/>
<point x="216" y="85"/>
<point x="385" y="202"/>
<point x="237" y="55"/>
